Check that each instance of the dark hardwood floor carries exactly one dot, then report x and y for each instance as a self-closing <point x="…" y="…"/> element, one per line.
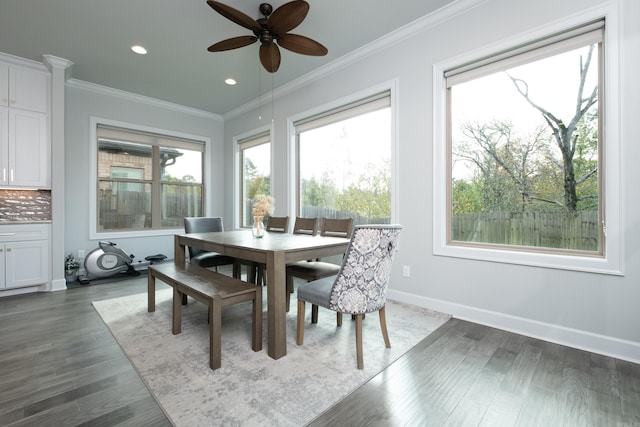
<point x="60" y="366"/>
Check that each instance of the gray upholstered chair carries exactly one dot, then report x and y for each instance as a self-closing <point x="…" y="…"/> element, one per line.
<point x="315" y="270"/>
<point x="202" y="258"/>
<point x="361" y="285"/>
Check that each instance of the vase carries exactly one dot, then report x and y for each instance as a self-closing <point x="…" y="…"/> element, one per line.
<point x="258" y="227"/>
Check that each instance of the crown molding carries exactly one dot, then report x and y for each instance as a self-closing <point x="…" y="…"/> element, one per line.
<point x="52" y="62"/>
<point x="434" y="18"/>
<point x="16" y="60"/>
<point x="117" y="93"/>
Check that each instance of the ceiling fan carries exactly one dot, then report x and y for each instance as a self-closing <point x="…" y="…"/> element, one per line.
<point x="272" y="28"/>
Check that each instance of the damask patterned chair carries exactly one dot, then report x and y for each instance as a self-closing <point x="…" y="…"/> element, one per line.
<point x="361" y="285"/>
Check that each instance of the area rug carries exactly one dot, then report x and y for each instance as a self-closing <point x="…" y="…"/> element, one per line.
<point x="252" y="389"/>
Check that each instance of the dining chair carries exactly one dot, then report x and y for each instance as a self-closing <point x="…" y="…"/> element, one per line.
<point x="315" y="270"/>
<point x="359" y="287"/>
<point x="275" y="224"/>
<point x="202" y="258"/>
<point x="305" y="226"/>
<point x="278" y="224"/>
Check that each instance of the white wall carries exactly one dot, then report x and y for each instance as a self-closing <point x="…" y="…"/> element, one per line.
<point x="84" y="101"/>
<point x="591" y="311"/>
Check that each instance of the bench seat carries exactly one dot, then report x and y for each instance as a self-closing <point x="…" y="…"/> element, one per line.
<point x="213" y="289"/>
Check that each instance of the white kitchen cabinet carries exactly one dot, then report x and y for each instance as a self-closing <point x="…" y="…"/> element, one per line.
<point x="24" y="255"/>
<point x="24" y="149"/>
<point x="24" y="127"/>
<point x="23" y="87"/>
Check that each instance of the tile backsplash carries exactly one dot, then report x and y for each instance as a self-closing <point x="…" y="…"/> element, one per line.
<point x="25" y="205"/>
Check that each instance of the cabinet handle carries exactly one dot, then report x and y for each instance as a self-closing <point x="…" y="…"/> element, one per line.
<point x="7" y="234"/>
<point x="8" y="249"/>
<point x="4" y="174"/>
<point x="11" y="175"/>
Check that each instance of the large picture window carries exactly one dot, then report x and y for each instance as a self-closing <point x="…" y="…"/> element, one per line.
<point x="525" y="152"/>
<point x="255" y="172"/>
<point x="344" y="161"/>
<point x="146" y="181"/>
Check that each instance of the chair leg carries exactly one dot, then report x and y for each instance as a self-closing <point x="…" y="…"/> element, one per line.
<point x="260" y="279"/>
<point x="314" y="313"/>
<point x="300" y="323"/>
<point x="383" y="326"/>
<point x="339" y="319"/>
<point x="289" y="291"/>
<point x="359" y="341"/>
<point x="237" y="270"/>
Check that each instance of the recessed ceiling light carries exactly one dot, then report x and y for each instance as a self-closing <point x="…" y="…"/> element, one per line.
<point x="140" y="50"/>
<point x="230" y="81"/>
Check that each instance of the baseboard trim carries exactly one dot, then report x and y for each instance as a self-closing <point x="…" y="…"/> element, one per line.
<point x="583" y="340"/>
<point x="58" y="285"/>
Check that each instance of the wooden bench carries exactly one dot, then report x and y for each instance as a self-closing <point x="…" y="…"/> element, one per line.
<point x="213" y="289"/>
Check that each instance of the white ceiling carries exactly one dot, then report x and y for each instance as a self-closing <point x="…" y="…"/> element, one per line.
<point x="96" y="36"/>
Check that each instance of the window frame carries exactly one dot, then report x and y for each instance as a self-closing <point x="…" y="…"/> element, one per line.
<point x="244" y="138"/>
<point x="328" y="109"/>
<point x="612" y="262"/>
<point x="94" y="122"/>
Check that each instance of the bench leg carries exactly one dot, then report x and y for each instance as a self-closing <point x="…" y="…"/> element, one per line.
<point x="215" y="350"/>
<point x="177" y="311"/>
<point x="256" y="333"/>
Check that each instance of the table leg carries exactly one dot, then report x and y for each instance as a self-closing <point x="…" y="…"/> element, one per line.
<point x="179" y="254"/>
<point x="151" y="292"/>
<point x="276" y="305"/>
<point x="177" y="311"/>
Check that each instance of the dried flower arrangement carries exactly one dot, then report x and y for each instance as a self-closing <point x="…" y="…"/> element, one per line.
<point x="262" y="205"/>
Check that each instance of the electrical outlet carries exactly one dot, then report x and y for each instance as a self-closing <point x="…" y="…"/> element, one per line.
<point x="406" y="271"/>
<point x="81" y="254"/>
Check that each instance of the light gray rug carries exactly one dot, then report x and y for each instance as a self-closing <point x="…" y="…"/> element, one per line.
<point x="251" y="389"/>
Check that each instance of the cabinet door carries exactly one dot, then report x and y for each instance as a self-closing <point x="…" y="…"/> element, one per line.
<point x="2" y="272"/>
<point x="4" y="146"/>
<point x="27" y="89"/>
<point x="4" y="84"/>
<point x="28" y="149"/>
<point x="26" y="263"/>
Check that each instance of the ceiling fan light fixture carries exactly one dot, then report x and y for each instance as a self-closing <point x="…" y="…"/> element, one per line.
<point x="271" y="30"/>
<point x="140" y="50"/>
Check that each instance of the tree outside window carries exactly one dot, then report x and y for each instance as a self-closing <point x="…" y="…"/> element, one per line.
<point x="525" y="154"/>
<point x="344" y="164"/>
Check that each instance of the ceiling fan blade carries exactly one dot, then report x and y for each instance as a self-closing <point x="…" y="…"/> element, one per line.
<point x="270" y="57"/>
<point x="232" y="43"/>
<point x="288" y="16"/>
<point x="234" y="15"/>
<point x="302" y="44"/>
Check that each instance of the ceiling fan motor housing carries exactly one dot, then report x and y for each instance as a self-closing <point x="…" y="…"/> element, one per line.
<point x="266" y="9"/>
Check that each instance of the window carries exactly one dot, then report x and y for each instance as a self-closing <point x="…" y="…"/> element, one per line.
<point x="255" y="172"/>
<point x="524" y="154"/>
<point x="146" y="181"/>
<point x="344" y="161"/>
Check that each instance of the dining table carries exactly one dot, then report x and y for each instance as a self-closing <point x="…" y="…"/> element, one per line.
<point x="275" y="250"/>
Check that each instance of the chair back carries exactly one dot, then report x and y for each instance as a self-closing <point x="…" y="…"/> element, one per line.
<point x="337" y="227"/>
<point x="305" y="226"/>
<point x="361" y="285"/>
<point x="201" y="225"/>
<point x="278" y="224"/>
